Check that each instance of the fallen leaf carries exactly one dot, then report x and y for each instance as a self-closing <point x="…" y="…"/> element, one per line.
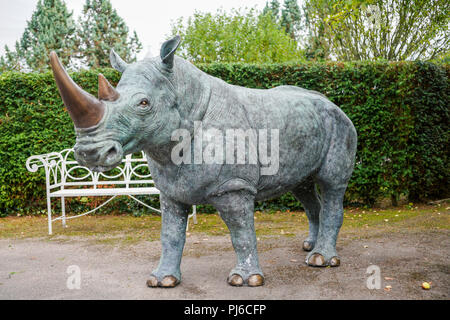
<point x="426" y="286"/>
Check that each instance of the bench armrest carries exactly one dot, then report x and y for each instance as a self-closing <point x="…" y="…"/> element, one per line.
<point x="47" y="161"/>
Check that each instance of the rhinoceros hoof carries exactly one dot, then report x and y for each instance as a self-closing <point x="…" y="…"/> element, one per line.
<point x="235" y="280"/>
<point x="335" y="262"/>
<point x="255" y="280"/>
<point x="317" y="260"/>
<point x="308" y="245"/>
<point x="166" y="282"/>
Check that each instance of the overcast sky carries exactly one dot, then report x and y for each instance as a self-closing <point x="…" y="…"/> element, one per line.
<point x="150" y="18"/>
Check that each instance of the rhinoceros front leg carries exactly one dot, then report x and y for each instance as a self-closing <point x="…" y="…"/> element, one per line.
<point x="236" y="210"/>
<point x="173" y="237"/>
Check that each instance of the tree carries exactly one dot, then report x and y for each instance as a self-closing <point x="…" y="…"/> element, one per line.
<point x="274" y="7"/>
<point x="291" y="17"/>
<point x="101" y="29"/>
<point x="51" y="28"/>
<point x="236" y="36"/>
<point x="378" y="29"/>
<point x="10" y="61"/>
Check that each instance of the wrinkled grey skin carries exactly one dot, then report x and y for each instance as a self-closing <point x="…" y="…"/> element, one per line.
<point x="317" y="146"/>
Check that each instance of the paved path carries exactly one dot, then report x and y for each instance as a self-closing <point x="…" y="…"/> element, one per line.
<point x="37" y="269"/>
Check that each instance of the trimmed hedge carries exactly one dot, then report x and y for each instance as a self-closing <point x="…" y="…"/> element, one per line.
<point x="400" y="111"/>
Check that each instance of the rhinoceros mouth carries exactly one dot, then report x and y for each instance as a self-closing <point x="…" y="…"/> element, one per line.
<point x="101" y="156"/>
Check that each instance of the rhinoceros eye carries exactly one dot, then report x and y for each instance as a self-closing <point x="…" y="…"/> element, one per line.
<point x="144" y="102"/>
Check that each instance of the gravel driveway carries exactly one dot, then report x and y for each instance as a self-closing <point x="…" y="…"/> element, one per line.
<point x="37" y="268"/>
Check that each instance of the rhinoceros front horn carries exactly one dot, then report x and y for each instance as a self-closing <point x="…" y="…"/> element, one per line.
<point x="84" y="109"/>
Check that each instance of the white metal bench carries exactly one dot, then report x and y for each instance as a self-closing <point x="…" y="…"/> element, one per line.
<point x="64" y="178"/>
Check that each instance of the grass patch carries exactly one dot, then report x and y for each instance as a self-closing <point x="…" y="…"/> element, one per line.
<point x="126" y="229"/>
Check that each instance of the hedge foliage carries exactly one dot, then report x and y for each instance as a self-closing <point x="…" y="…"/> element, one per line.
<point x="400" y="111"/>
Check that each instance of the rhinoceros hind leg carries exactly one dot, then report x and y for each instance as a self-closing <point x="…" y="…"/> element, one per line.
<point x="333" y="177"/>
<point x="324" y="252"/>
<point x="307" y="195"/>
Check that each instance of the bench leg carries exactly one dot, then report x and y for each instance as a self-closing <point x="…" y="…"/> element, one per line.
<point x="194" y="214"/>
<point x="49" y="215"/>
<point x="63" y="209"/>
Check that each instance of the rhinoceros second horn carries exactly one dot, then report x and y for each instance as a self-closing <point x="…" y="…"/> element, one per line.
<point x="105" y="90"/>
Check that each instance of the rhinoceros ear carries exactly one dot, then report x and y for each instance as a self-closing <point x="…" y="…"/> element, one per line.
<point x="117" y="62"/>
<point x="168" y="49"/>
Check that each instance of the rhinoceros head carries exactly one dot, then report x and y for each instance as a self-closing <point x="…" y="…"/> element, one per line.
<point x="140" y="113"/>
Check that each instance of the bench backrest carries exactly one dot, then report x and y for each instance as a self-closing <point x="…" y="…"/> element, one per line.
<point x="62" y="170"/>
